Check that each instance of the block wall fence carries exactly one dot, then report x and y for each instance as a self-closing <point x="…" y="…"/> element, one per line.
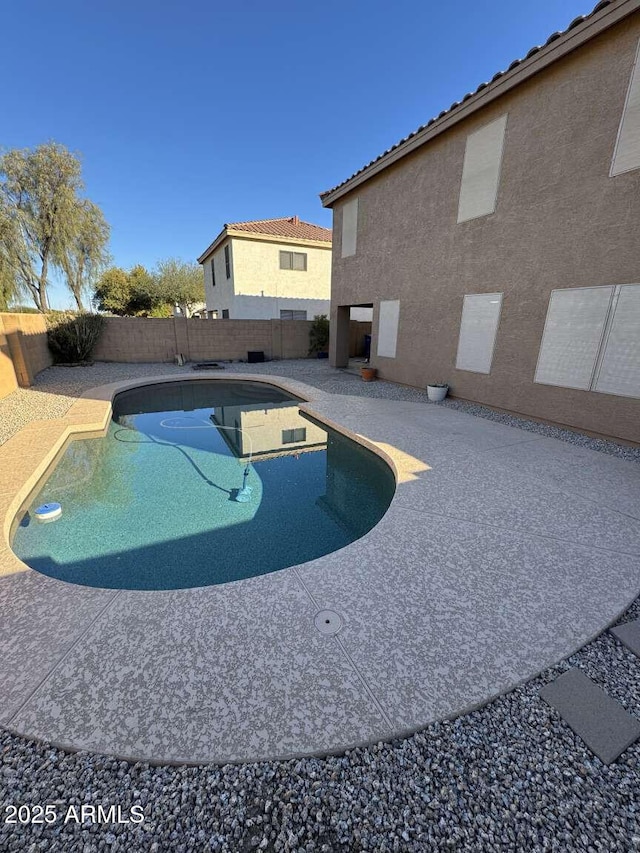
<point x="24" y="351"/>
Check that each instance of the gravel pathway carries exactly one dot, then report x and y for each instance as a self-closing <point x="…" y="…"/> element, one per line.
<point x="508" y="777"/>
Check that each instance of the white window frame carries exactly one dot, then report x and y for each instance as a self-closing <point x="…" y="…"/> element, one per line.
<point x="467" y="307"/>
<point x="633" y="95"/>
<point x="349" y="242"/>
<point x="608" y="323"/>
<point x="389" y="315"/>
<point x="472" y="192"/>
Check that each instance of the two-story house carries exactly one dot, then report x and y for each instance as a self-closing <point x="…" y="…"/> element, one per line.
<point x="499" y="244"/>
<point x="269" y="269"/>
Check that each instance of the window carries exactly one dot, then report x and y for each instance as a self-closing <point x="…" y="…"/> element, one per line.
<point x="349" y="228"/>
<point x="591" y="340"/>
<point x="213" y="273"/>
<point x="227" y="260"/>
<point x="293" y="315"/>
<point x="481" y="170"/>
<point x="478" y="328"/>
<point x="627" y="153"/>
<point x="294" y="436"/>
<point x="619" y="367"/>
<point x="225" y="313"/>
<point x="293" y="261"/>
<point x="388" y="328"/>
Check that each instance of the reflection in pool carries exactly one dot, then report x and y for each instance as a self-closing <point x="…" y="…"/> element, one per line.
<point x="158" y="503"/>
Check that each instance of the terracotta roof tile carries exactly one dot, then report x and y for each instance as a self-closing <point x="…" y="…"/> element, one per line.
<point x="284" y="227"/>
<point x="553" y="37"/>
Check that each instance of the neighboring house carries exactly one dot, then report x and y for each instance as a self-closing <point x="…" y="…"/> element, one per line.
<point x="268" y="269"/>
<point x="199" y="310"/>
<point x="499" y="244"/>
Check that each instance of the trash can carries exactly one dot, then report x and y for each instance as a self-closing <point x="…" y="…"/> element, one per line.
<point x="367" y="346"/>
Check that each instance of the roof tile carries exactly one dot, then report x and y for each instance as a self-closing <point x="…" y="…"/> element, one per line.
<point x="516" y="62"/>
<point x="290" y="226"/>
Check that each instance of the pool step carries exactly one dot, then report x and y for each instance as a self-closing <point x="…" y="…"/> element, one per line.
<point x="629" y="635"/>
<point x="602" y="723"/>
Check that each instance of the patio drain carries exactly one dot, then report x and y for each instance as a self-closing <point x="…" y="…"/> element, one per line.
<point x="328" y="622"/>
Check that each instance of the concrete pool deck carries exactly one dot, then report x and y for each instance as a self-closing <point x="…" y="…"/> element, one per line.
<point x="502" y="552"/>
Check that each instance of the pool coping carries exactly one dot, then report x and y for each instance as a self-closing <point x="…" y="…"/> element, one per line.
<point x="90" y="416"/>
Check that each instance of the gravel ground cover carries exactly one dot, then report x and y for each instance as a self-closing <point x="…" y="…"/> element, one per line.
<point x="510" y="776"/>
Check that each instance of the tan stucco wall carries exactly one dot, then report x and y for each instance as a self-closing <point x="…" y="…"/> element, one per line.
<point x="560" y="221"/>
<point x="258" y="288"/>
<point x="220" y="296"/>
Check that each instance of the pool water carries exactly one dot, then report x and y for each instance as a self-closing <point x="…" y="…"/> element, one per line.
<point x="159" y="503"/>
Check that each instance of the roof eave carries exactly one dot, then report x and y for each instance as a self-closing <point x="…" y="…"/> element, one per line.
<point x="265" y="238"/>
<point x="526" y="68"/>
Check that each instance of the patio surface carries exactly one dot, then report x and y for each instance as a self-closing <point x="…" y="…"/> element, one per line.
<point x="502" y="553"/>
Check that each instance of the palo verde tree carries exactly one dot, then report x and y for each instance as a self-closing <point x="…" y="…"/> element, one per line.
<point x="40" y="216"/>
<point x="180" y="283"/>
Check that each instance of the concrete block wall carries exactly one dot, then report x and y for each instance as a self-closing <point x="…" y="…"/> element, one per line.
<point x="139" y="339"/>
<point x="8" y="380"/>
<point x="26" y="338"/>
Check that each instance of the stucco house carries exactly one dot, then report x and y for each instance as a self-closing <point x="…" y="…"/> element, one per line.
<point x="268" y="269"/>
<point x="499" y="244"/>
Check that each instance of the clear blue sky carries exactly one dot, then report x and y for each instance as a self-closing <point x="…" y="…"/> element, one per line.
<point x="192" y="113"/>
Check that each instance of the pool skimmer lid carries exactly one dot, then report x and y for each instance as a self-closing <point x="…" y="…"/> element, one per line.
<point x="328" y="622"/>
<point x="48" y="512"/>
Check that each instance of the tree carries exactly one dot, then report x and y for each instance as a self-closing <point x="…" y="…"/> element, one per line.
<point x="39" y="189"/>
<point x="134" y="293"/>
<point x="143" y="294"/>
<point x="84" y="253"/>
<point x="180" y="283"/>
<point x="9" y="287"/>
<point x="44" y="222"/>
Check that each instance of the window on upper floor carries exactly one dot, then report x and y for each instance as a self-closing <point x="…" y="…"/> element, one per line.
<point x="349" y="228"/>
<point x="225" y="313"/>
<point x="481" y="170"/>
<point x="227" y="260"/>
<point x="591" y="340"/>
<point x="478" y="328"/>
<point x="213" y="273"/>
<point x="293" y="261"/>
<point x="293" y="315"/>
<point x="294" y="436"/>
<point x="627" y="152"/>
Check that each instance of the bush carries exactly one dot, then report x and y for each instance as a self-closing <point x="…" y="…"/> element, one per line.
<point x="319" y="334"/>
<point x="72" y="339"/>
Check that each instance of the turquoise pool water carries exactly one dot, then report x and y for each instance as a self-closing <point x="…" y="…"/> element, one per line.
<point x="155" y="504"/>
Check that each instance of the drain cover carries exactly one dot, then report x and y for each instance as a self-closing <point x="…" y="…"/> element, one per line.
<point x="328" y="622"/>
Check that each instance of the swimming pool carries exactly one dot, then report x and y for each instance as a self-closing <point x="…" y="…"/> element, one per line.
<point x="202" y="482"/>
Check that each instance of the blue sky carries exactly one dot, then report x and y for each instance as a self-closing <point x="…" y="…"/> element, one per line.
<point x="192" y="113"/>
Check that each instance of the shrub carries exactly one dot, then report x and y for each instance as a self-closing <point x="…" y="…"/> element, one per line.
<point x="72" y="339"/>
<point x="319" y="334"/>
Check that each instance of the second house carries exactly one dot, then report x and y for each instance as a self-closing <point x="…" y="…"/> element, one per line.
<point x="268" y="269"/>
